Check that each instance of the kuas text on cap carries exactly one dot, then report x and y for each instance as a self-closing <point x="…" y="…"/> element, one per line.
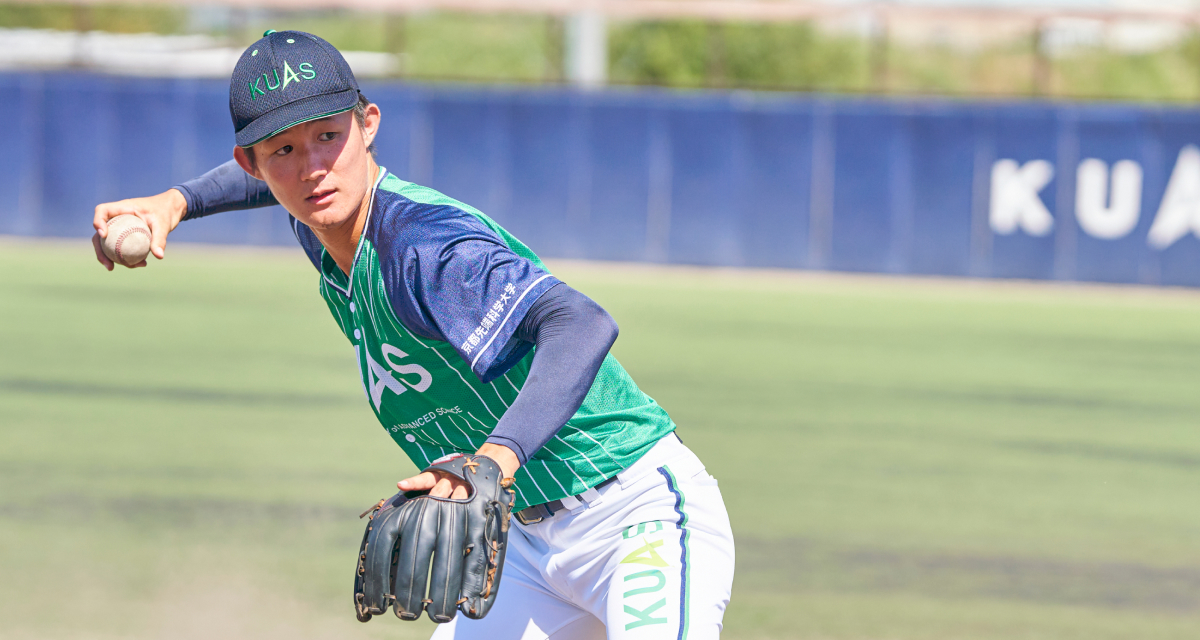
<point x="284" y="79"/>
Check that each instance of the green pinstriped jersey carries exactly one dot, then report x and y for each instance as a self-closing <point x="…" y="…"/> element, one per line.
<point x="427" y="391"/>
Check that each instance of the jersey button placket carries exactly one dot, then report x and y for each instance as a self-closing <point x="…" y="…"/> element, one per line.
<point x="358" y="334"/>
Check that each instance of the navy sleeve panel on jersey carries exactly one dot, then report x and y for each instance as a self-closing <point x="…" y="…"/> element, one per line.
<point x="451" y="278"/>
<point x="225" y="188"/>
<point x="308" y="241"/>
<point x="573" y="334"/>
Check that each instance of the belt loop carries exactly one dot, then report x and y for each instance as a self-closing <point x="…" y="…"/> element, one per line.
<point x="591" y="497"/>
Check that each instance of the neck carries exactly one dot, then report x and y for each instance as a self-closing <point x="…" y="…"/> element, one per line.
<point x="342" y="241"/>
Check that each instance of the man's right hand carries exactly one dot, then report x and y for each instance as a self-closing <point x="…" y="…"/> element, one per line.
<point x="161" y="213"/>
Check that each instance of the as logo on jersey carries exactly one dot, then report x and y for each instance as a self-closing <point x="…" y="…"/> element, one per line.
<point x="289" y="76"/>
<point x="378" y="378"/>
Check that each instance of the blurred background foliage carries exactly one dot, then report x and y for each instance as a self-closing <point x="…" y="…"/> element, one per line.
<point x="769" y="56"/>
<point x="114" y="18"/>
<point x="676" y="53"/>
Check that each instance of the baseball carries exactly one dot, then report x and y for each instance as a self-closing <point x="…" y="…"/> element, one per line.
<point x="128" y="240"/>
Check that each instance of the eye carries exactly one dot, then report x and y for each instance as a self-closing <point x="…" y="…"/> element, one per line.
<point x="327" y="136"/>
<point x="284" y="150"/>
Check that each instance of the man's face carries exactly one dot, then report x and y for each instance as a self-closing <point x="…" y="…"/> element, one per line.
<point x="318" y="170"/>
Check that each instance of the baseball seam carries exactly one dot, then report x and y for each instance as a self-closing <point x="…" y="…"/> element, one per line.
<point x="121" y="240"/>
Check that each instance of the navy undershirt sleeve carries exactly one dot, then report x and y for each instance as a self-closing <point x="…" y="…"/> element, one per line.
<point x="226" y="188"/>
<point x="572" y="335"/>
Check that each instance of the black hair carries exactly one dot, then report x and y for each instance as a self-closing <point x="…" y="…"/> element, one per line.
<point x="360" y="116"/>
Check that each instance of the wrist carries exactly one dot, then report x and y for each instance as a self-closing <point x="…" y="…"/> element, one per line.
<point x="503" y="456"/>
<point x="177" y="205"/>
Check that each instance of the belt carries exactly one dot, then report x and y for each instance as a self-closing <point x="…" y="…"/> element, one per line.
<point x="539" y="512"/>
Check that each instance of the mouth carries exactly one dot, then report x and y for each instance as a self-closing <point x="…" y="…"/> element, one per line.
<point x="324" y="196"/>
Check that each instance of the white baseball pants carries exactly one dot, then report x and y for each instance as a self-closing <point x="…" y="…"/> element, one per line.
<point x="648" y="557"/>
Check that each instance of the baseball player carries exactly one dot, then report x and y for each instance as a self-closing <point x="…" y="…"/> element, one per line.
<point x="467" y="344"/>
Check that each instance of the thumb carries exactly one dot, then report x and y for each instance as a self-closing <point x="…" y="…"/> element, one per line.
<point x="158" y="237"/>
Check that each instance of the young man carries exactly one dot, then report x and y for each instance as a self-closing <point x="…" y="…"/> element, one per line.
<point x="619" y="532"/>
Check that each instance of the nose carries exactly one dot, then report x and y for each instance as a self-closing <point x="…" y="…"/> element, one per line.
<point x="315" y="164"/>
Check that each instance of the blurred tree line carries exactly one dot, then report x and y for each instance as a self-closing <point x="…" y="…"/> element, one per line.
<point x="802" y="57"/>
<point x="677" y="53"/>
<point x="114" y="18"/>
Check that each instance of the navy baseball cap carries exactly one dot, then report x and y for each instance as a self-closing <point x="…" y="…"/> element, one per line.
<point x="286" y="78"/>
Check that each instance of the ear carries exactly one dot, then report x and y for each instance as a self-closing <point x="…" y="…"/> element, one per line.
<point x="243" y="159"/>
<point x="371" y="117"/>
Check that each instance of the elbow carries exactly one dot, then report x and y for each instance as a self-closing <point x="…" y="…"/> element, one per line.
<point x="578" y="315"/>
<point x="610" y="326"/>
<point x="604" y="326"/>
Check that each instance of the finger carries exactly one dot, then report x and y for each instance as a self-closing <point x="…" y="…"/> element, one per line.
<point x="140" y="264"/>
<point x="100" y="221"/>
<point x="460" y="492"/>
<point x="421" y="482"/>
<point x="417" y="542"/>
<point x="380" y="541"/>
<point x="100" y="257"/>
<point x="442" y="489"/>
<point x="106" y="212"/>
<point x="446" y="572"/>
<point x="158" y="237"/>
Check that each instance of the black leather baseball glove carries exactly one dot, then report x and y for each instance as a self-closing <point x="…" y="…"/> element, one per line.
<point x="421" y="553"/>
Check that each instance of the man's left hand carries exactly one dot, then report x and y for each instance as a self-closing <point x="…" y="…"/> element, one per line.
<point x="444" y="485"/>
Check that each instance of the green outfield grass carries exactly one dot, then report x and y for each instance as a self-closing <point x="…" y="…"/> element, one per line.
<point x="184" y="449"/>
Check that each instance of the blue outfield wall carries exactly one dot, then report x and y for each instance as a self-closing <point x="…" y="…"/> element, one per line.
<point x="1106" y="193"/>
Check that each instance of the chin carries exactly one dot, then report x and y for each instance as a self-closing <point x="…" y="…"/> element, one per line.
<point x="325" y="218"/>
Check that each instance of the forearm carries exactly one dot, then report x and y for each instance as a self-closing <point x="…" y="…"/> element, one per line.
<point x="573" y="334"/>
<point x="225" y="188"/>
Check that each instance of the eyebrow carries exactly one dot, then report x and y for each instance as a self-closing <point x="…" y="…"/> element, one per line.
<point x="325" y="119"/>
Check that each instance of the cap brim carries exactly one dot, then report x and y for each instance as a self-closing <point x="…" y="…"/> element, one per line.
<point x="294" y="113"/>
